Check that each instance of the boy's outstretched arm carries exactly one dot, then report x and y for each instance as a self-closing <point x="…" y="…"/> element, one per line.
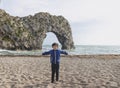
<point x="63" y="52"/>
<point x="46" y="53"/>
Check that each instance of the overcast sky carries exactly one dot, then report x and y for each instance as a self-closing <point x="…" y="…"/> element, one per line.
<point x="95" y="22"/>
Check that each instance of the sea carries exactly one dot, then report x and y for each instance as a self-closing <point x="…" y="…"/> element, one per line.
<point x="79" y="50"/>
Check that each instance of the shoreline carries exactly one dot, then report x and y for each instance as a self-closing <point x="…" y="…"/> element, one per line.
<point x="83" y="56"/>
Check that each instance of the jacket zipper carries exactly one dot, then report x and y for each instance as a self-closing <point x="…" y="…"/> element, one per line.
<point x="55" y="56"/>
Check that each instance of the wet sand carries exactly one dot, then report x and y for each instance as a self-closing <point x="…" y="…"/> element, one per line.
<point x="81" y="71"/>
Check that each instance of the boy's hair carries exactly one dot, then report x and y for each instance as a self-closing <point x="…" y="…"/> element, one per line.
<point x="54" y="44"/>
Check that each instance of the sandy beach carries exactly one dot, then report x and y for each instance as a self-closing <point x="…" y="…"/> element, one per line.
<point x="81" y="71"/>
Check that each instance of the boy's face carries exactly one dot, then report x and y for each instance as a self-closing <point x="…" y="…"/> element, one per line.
<point x="55" y="47"/>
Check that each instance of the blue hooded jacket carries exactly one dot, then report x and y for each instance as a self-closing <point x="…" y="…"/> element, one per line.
<point x="55" y="55"/>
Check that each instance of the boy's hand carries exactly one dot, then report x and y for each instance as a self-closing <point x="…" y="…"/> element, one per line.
<point x="66" y="53"/>
<point x="43" y="54"/>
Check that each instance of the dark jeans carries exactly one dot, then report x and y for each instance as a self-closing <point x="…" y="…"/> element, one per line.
<point x="55" y="70"/>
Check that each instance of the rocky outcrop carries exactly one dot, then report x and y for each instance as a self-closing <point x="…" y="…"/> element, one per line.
<point x="28" y="33"/>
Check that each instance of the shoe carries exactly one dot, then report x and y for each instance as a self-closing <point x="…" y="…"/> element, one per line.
<point x="52" y="81"/>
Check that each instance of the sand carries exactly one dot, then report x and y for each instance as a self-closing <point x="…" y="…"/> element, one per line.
<point x="85" y="71"/>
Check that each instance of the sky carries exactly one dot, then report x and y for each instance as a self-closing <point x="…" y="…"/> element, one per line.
<point x="93" y="22"/>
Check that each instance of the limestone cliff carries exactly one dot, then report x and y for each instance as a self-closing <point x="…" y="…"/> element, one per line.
<point x="28" y="33"/>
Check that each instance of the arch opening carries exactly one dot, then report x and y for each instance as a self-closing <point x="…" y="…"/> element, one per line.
<point x="49" y="39"/>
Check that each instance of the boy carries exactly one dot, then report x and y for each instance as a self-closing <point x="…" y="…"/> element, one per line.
<point x="55" y="60"/>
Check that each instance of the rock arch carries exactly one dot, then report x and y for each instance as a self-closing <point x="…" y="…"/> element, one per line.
<point x="27" y="33"/>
